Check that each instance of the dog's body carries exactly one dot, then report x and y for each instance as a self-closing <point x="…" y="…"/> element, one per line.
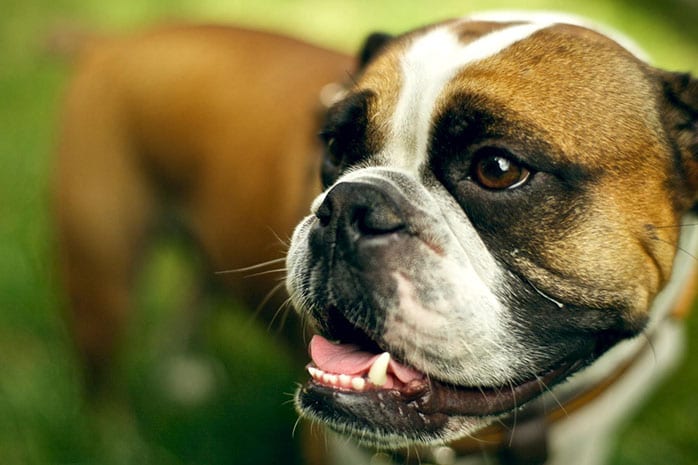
<point x="216" y="123"/>
<point x="502" y="209"/>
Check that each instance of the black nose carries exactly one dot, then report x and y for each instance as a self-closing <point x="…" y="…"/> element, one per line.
<point x="352" y="212"/>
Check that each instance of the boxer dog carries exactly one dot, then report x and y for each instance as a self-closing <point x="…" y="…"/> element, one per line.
<point x="217" y="125"/>
<point x="502" y="209"/>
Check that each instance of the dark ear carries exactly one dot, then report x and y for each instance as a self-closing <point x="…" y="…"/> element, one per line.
<point x="372" y="46"/>
<point x="680" y="114"/>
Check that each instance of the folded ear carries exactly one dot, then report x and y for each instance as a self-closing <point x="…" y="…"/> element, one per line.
<point x="372" y="46"/>
<point x="680" y="115"/>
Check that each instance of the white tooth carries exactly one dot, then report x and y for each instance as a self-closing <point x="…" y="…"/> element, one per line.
<point x="378" y="374"/>
<point x="345" y="380"/>
<point x="358" y="384"/>
<point x="333" y="379"/>
<point x="326" y="378"/>
<point x="313" y="372"/>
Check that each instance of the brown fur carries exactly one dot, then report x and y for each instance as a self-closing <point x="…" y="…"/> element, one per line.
<point x="219" y="123"/>
<point x="629" y="147"/>
<point x="551" y="95"/>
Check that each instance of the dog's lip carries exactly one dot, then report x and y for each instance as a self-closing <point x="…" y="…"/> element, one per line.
<point x="429" y="396"/>
<point x="485" y="401"/>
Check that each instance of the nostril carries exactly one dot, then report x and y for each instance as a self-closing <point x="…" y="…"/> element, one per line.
<point x="324" y="213"/>
<point x="376" y="220"/>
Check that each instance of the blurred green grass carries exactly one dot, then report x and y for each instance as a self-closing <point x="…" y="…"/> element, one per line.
<point x="243" y="417"/>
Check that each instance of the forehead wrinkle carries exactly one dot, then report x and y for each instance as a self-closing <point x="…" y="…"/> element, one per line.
<point x="428" y="64"/>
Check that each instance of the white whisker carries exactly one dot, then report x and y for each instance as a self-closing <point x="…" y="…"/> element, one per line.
<point x="516" y="413"/>
<point x="295" y="426"/>
<point x="544" y="388"/>
<point x="262" y="273"/>
<point x="252" y="267"/>
<point x="286" y="243"/>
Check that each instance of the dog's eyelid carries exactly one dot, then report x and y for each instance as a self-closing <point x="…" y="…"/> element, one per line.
<point x="325" y="135"/>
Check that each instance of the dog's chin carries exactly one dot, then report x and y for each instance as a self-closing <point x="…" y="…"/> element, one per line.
<point x="423" y="410"/>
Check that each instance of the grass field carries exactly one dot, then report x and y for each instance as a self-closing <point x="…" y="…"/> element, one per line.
<point x="43" y="418"/>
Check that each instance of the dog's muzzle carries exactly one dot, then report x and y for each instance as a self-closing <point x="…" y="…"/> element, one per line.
<point x="355" y="270"/>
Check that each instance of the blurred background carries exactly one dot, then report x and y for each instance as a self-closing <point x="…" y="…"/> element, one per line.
<point x="236" y="410"/>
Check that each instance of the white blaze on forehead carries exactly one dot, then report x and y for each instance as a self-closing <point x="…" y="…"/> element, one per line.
<point x="562" y="18"/>
<point x="428" y="64"/>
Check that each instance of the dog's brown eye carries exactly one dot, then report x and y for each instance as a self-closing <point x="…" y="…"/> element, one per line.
<point x="494" y="169"/>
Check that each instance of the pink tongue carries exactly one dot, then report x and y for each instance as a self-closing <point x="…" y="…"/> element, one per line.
<point x="349" y="359"/>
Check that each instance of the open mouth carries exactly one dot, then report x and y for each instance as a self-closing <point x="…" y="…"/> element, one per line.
<point x="355" y="390"/>
<point x="347" y="368"/>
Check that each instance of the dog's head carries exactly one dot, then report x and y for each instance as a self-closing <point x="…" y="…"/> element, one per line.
<point x="499" y="211"/>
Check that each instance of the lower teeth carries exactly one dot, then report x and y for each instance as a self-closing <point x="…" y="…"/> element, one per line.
<point x="356" y="383"/>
